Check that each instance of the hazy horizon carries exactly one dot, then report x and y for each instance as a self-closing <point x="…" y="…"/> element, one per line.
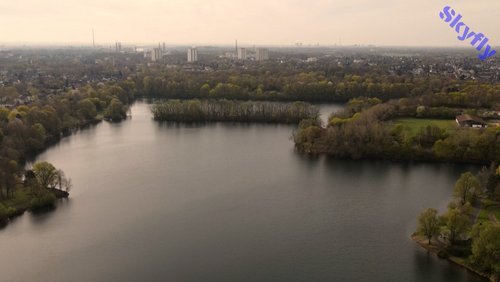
<point x="386" y="23"/>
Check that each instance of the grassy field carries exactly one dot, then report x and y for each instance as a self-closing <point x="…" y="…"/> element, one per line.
<point x="413" y="125"/>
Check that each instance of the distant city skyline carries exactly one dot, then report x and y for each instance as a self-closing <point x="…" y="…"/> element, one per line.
<point x="220" y="22"/>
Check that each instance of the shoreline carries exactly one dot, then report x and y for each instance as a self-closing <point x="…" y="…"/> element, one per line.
<point x="434" y="249"/>
<point x="24" y="206"/>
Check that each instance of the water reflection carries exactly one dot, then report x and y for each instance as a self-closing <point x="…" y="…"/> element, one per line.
<point x="40" y="216"/>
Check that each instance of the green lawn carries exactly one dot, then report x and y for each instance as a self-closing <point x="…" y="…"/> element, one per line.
<point x="413" y="125"/>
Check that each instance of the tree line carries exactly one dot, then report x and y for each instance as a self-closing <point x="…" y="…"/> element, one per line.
<point x="284" y="84"/>
<point x="230" y="110"/>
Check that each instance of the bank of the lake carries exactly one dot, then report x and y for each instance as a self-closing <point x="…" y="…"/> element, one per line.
<point x="435" y="249"/>
<point x="225" y="201"/>
<point x="24" y="200"/>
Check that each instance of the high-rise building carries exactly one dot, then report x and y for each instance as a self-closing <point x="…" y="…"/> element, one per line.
<point x="156" y="54"/>
<point x="261" y="54"/>
<point x="192" y="55"/>
<point x="242" y="53"/>
<point x="118" y="46"/>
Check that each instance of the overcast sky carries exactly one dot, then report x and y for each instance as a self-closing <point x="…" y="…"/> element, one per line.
<point x="283" y="22"/>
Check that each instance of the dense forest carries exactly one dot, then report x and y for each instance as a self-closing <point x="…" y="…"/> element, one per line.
<point x="237" y="111"/>
<point x="292" y="85"/>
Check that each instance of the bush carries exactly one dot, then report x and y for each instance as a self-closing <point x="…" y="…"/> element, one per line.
<point x="485" y="246"/>
<point x="3" y="213"/>
<point x="11" y="211"/>
<point x="45" y="201"/>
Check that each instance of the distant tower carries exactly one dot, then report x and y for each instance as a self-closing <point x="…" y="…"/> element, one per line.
<point x="242" y="53"/>
<point x="164" y="47"/>
<point x="118" y="47"/>
<point x="156" y="54"/>
<point x="236" y="46"/>
<point x="93" y="38"/>
<point x="261" y="54"/>
<point x="192" y="55"/>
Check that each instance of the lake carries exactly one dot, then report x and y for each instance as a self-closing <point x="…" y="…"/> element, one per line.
<point x="225" y="202"/>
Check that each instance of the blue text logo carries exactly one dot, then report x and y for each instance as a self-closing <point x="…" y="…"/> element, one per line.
<point x="464" y="32"/>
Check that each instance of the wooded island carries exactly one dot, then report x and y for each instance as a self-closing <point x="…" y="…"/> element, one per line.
<point x="231" y="110"/>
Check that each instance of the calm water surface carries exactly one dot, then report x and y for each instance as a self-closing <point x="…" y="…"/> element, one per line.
<point x="224" y="202"/>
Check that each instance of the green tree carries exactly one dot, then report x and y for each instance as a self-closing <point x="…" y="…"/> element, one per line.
<point x="4" y="114"/>
<point x="87" y="109"/>
<point x="456" y="224"/>
<point x="428" y="224"/>
<point x="46" y="174"/>
<point x="116" y="111"/>
<point x="486" y="249"/>
<point x="467" y="187"/>
<point x="8" y="177"/>
<point x="36" y="138"/>
<point x="489" y="179"/>
<point x="205" y="90"/>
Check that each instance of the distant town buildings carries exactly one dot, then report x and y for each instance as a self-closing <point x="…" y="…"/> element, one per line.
<point x="242" y="53"/>
<point x="229" y="55"/>
<point x="192" y="55"/>
<point x="118" y="46"/>
<point x="261" y="54"/>
<point x="156" y="54"/>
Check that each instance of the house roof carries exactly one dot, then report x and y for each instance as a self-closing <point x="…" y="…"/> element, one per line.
<point x="466" y="117"/>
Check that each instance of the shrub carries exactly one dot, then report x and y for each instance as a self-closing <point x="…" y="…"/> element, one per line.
<point x="3" y="213"/>
<point x="44" y="201"/>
